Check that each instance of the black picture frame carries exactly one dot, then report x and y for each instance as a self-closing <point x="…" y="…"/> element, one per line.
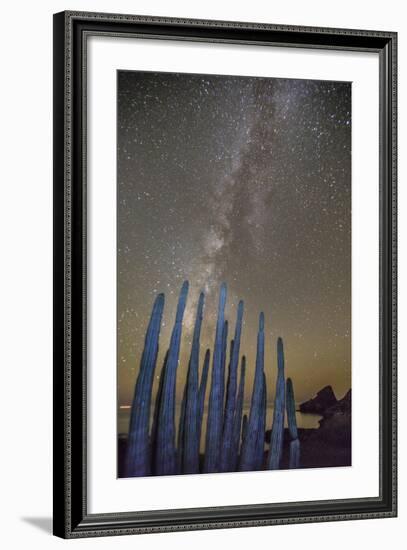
<point x="71" y="518"/>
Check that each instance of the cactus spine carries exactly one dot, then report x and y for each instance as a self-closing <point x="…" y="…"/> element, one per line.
<point x="294" y="460"/>
<point x="215" y="409"/>
<point x="249" y="451"/>
<point x="277" y="431"/>
<point x="165" y="460"/>
<point x="138" y="448"/>
<point x="227" y="437"/>
<point x="190" y="459"/>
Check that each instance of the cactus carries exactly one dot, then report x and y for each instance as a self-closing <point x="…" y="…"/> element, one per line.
<point x="244" y="426"/>
<point x="223" y="360"/>
<point x="215" y="409"/>
<point x="262" y="427"/>
<point x="294" y="460"/>
<point x="165" y="459"/>
<point x="138" y="447"/>
<point x="190" y="458"/>
<point x="201" y="394"/>
<point x="233" y="440"/>
<point x="249" y="450"/>
<point x="237" y="421"/>
<point x="277" y="431"/>
<point x="153" y="436"/>
<point x="228" y="381"/>
<point x="181" y="425"/>
<point x="227" y="437"/>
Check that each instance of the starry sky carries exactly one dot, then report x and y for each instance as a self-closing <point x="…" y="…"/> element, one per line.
<point x="242" y="180"/>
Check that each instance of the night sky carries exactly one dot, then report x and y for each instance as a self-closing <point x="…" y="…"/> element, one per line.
<point x="242" y="180"/>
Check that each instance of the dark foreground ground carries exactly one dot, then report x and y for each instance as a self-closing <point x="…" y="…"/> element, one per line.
<point x="318" y="450"/>
<point x="328" y="445"/>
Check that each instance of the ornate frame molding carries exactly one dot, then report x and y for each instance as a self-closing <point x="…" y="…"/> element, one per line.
<point x="71" y="30"/>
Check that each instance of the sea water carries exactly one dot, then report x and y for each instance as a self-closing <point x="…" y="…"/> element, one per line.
<point x="306" y="421"/>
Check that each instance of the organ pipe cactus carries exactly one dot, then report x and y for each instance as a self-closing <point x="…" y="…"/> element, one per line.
<point x="138" y="448"/>
<point x="223" y="361"/>
<point x="244" y="426"/>
<point x="227" y="437"/>
<point x="295" y="453"/>
<point x="202" y="392"/>
<point x="153" y="437"/>
<point x="190" y="459"/>
<point x="237" y="421"/>
<point x="277" y="431"/>
<point x="294" y="460"/>
<point x="262" y="427"/>
<point x="215" y="408"/>
<point x="228" y="381"/>
<point x="165" y="459"/>
<point x="249" y="450"/>
<point x="233" y="440"/>
<point x="181" y="425"/>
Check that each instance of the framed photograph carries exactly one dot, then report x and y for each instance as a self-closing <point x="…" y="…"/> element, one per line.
<point x="224" y="274"/>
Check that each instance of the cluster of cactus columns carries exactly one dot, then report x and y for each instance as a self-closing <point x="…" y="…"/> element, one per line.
<point x="234" y="440"/>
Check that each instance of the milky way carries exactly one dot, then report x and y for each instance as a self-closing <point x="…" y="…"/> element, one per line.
<point x="243" y="180"/>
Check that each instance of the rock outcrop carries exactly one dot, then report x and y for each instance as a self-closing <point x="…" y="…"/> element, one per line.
<point x="324" y="400"/>
<point x="336" y="423"/>
<point x="343" y="406"/>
